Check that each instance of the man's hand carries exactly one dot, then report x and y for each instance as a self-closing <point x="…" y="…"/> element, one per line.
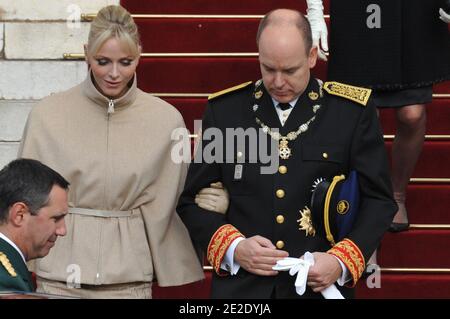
<point x="258" y="255"/>
<point x="325" y="272"/>
<point x="318" y="27"/>
<point x="215" y="198"/>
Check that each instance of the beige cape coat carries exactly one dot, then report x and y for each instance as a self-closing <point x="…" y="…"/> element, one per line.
<point x="117" y="162"/>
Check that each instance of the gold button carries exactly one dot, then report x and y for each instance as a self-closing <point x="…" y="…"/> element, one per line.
<point x="325" y="155"/>
<point x="282" y="169"/>
<point x="280" y="244"/>
<point x="280" y="219"/>
<point x="280" y="193"/>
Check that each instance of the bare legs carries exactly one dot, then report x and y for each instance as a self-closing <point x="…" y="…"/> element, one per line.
<point x="408" y="142"/>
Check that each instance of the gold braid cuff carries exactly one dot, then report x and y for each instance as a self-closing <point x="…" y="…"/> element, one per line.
<point x="347" y="252"/>
<point x="219" y="244"/>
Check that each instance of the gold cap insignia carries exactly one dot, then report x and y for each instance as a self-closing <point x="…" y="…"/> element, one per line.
<point x="7" y="264"/>
<point x="305" y="222"/>
<point x="258" y="95"/>
<point x="313" y="95"/>
<point x="342" y="207"/>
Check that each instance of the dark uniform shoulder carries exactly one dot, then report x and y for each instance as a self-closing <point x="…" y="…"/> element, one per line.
<point x="233" y="89"/>
<point x="356" y="94"/>
<point x="10" y="279"/>
<point x="8" y="275"/>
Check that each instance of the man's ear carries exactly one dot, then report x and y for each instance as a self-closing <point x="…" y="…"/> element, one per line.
<point x="17" y="213"/>
<point x="312" y="58"/>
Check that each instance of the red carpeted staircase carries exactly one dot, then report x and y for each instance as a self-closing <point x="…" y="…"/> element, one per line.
<point x="196" y="47"/>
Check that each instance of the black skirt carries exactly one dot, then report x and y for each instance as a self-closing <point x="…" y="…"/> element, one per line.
<point x="399" y="98"/>
<point x="411" y="48"/>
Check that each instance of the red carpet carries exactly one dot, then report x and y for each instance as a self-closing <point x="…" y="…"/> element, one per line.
<point x="200" y="75"/>
<point x="433" y="162"/>
<point x="212" y="7"/>
<point x="427" y="202"/>
<point x="408" y="285"/>
<point x="193" y="34"/>
<point x="416" y="249"/>
<point x="438" y="117"/>
<point x="442" y="88"/>
<point x="199" y="35"/>
<point x="197" y="290"/>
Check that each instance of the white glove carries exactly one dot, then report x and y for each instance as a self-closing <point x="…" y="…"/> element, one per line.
<point x="300" y="267"/>
<point x="215" y="198"/>
<point x="318" y="27"/>
<point x="444" y="16"/>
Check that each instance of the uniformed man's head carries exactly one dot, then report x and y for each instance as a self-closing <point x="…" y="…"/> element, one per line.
<point x="286" y="54"/>
<point x="33" y="203"/>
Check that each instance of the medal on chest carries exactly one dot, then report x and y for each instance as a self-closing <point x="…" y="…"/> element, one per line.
<point x="283" y="149"/>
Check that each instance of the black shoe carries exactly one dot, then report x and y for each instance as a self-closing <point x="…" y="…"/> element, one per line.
<point x="398" y="227"/>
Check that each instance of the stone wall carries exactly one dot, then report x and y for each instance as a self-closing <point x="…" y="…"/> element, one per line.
<point x="34" y="35"/>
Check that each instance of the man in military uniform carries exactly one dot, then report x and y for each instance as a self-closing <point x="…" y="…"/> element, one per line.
<point x="33" y="203"/>
<point x="323" y="131"/>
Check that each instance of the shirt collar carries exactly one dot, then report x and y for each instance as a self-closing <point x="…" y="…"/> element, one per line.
<point x="2" y="236"/>
<point x="292" y="103"/>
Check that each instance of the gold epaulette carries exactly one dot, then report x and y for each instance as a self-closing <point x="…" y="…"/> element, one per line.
<point x="355" y="93"/>
<point x="234" y="88"/>
<point x="7" y="264"/>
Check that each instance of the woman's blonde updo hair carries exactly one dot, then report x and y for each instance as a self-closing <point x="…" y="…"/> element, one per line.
<point x="113" y="22"/>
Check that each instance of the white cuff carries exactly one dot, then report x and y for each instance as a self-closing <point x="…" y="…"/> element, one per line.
<point x="228" y="263"/>
<point x="345" y="276"/>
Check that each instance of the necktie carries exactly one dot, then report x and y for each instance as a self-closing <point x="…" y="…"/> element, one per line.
<point x="284" y="106"/>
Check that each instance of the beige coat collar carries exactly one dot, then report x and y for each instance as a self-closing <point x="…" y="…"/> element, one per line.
<point x="110" y="105"/>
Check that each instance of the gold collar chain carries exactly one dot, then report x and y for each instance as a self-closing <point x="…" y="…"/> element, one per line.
<point x="283" y="148"/>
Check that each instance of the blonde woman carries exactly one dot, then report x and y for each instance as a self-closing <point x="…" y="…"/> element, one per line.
<point x="112" y="142"/>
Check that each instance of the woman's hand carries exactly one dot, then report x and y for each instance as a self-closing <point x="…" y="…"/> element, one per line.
<point x="214" y="198"/>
